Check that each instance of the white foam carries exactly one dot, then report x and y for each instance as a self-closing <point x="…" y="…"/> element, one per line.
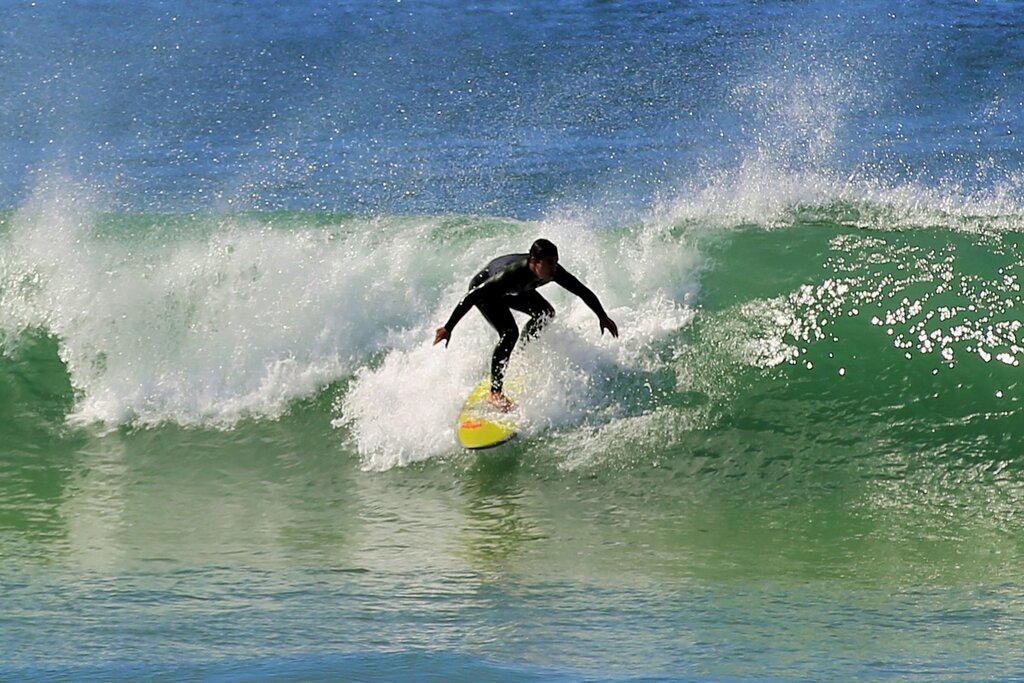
<point x="228" y="318"/>
<point x="233" y="318"/>
<point x="404" y="409"/>
<point x="236" y="319"/>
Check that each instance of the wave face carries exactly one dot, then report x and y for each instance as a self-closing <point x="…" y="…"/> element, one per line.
<point x="890" y="313"/>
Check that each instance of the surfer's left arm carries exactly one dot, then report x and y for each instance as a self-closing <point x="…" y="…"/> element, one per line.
<point x="568" y="281"/>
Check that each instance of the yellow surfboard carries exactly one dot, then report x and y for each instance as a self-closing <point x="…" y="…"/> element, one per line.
<point x="480" y="424"/>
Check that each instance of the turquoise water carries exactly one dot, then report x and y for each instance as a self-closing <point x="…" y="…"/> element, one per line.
<point x="226" y="443"/>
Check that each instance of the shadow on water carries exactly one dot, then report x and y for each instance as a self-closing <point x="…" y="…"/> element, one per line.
<point x="496" y="504"/>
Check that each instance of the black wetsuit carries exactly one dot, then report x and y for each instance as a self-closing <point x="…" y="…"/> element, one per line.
<point x="507" y="283"/>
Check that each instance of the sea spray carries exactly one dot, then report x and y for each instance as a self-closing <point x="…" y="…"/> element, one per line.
<point x="232" y="317"/>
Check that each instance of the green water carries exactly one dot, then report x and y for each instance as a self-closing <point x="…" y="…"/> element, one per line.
<point x="713" y="562"/>
<point x="811" y="475"/>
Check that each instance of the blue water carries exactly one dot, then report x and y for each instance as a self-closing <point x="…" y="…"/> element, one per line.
<point x="229" y="230"/>
<point x="499" y="110"/>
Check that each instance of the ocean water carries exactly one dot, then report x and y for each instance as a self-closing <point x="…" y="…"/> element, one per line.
<point x="228" y="231"/>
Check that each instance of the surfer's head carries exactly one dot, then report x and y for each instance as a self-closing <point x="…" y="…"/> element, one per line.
<point x="543" y="259"/>
<point x="543" y="249"/>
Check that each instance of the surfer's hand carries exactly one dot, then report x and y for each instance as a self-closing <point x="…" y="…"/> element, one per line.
<point x="442" y="334"/>
<point x="609" y="324"/>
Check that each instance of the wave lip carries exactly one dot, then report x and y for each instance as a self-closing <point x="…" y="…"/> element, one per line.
<point x="233" y="317"/>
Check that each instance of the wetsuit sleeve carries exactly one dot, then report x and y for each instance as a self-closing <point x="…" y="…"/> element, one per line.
<point x="569" y="282"/>
<point x="460" y="310"/>
<point x="471" y="299"/>
<point x="496" y="280"/>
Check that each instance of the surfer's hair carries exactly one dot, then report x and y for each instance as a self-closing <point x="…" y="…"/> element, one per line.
<point x="542" y="250"/>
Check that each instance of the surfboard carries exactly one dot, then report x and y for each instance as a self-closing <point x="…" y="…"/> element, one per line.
<point x="480" y="424"/>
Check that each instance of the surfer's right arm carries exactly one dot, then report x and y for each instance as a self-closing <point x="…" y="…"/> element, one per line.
<point x="444" y="333"/>
<point x="495" y="280"/>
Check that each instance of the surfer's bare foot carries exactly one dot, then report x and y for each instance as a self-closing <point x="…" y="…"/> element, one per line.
<point x="500" y="401"/>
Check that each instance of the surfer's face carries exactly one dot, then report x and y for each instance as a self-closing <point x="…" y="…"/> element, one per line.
<point x="543" y="268"/>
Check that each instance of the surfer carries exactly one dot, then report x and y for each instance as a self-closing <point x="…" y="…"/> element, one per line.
<point x="511" y="282"/>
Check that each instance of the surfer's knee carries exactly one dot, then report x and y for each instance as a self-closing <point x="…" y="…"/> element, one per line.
<point x="509" y="336"/>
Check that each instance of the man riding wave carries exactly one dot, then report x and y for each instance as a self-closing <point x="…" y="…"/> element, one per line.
<point x="509" y="283"/>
